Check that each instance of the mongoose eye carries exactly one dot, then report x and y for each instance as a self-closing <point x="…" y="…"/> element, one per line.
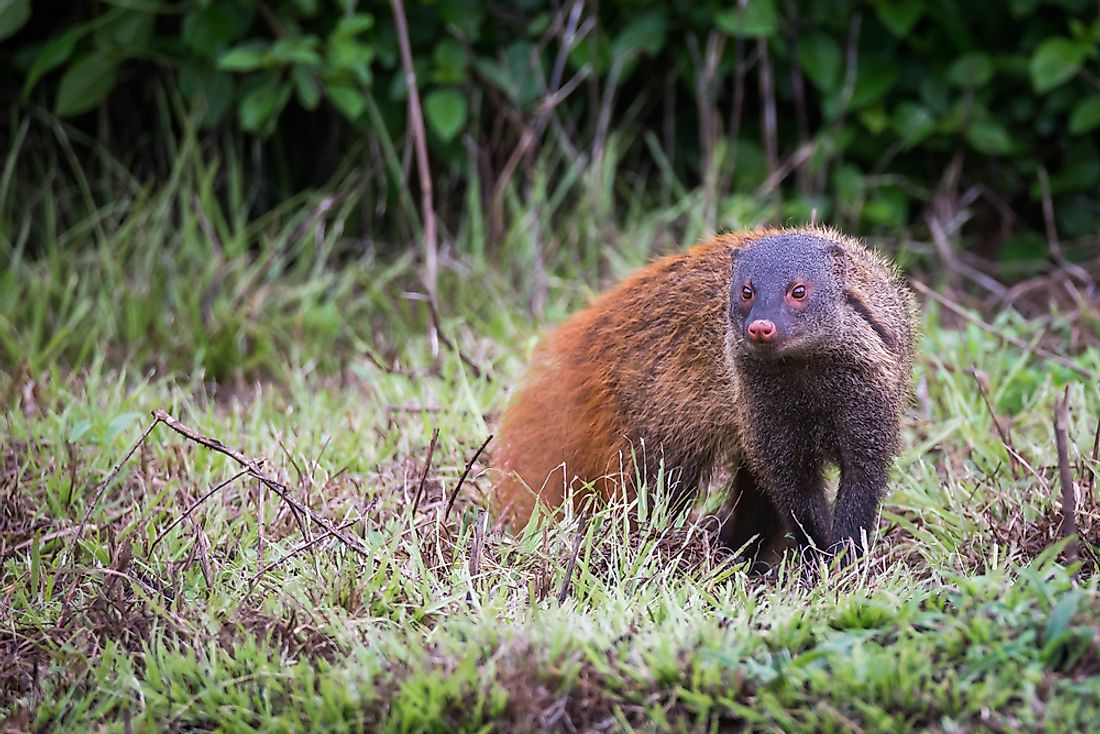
<point x="798" y="292"/>
<point x="746" y="293"/>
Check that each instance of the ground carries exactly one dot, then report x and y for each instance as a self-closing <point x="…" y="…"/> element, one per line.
<point x="150" y="582"/>
<point x="181" y="594"/>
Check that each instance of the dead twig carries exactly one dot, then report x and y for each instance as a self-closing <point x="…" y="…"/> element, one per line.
<point x="465" y="473"/>
<point x="958" y="310"/>
<point x="424" y="172"/>
<point x="424" y="475"/>
<point x="1068" y="526"/>
<point x="255" y="471"/>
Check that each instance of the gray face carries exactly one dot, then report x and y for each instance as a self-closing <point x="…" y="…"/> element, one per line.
<point x="785" y="295"/>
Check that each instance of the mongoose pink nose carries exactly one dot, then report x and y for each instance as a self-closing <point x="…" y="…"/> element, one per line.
<point x="761" y="331"/>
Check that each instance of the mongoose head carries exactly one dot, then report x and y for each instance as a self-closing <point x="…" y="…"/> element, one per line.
<point x="786" y="296"/>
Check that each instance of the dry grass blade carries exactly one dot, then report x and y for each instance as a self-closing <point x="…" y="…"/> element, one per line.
<point x="1095" y="456"/>
<point x="424" y="474"/>
<point x="103" y="488"/>
<point x="255" y="471"/>
<point x="298" y="549"/>
<point x="582" y="526"/>
<point x="1002" y="432"/>
<point x="194" y="505"/>
<point x="465" y="474"/>
<point x="1068" y="525"/>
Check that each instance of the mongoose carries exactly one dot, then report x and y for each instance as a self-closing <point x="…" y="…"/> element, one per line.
<point x="775" y="352"/>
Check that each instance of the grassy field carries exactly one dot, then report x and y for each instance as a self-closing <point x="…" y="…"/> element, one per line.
<point x="181" y="594"/>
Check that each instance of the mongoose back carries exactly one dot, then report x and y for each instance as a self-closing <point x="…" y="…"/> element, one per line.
<point x="775" y="352"/>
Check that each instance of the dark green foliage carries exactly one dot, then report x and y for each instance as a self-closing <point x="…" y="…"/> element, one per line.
<point x="878" y="106"/>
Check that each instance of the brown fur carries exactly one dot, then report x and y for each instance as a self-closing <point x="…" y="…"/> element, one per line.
<point x="651" y="370"/>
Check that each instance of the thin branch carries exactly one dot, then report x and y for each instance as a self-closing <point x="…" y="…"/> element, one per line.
<point x="1007" y="338"/>
<point x="255" y="471"/>
<point x="465" y="473"/>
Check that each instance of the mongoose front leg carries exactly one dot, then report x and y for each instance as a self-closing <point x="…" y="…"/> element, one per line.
<point x="754" y="521"/>
<point x="862" y="486"/>
<point x="799" y="493"/>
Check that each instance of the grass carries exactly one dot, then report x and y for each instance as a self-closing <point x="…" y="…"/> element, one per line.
<point x="303" y="351"/>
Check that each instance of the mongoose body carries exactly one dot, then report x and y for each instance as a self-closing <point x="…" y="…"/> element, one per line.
<point x="776" y="352"/>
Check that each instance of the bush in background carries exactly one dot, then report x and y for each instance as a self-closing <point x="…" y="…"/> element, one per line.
<point x="947" y="119"/>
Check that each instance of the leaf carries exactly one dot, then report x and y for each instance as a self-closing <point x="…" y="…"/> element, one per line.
<point x="874" y="119"/>
<point x="348" y="54"/>
<point x="307" y="86"/>
<point x="465" y="16"/>
<point x="308" y="8"/>
<point x="875" y="75"/>
<point x="1061" y="615"/>
<point x="210" y="29"/>
<point x="1055" y="62"/>
<point x="989" y="137"/>
<point x="14" y="14"/>
<point x="446" y="112"/>
<point x="971" y="70"/>
<point x="913" y="123"/>
<point x="79" y="430"/>
<point x="119" y="424"/>
<point x="849" y="184"/>
<point x="260" y="108"/>
<point x="1085" y="116"/>
<point x="246" y="57"/>
<point x="449" y="62"/>
<point x="296" y="50"/>
<point x="346" y="98"/>
<point x="85" y="84"/>
<point x="644" y="34"/>
<point x="899" y="17"/>
<point x="821" y="60"/>
<point x="1021" y="8"/>
<point x="208" y="87"/>
<point x="756" y="19"/>
<point x="353" y="25"/>
<point x="130" y="30"/>
<point x="887" y="207"/>
<point x="55" y="53"/>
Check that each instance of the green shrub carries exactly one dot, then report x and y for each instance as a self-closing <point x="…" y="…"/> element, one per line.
<point x="871" y="109"/>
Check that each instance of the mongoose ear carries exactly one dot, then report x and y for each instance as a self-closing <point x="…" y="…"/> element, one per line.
<point x="839" y="259"/>
<point x="733" y="258"/>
